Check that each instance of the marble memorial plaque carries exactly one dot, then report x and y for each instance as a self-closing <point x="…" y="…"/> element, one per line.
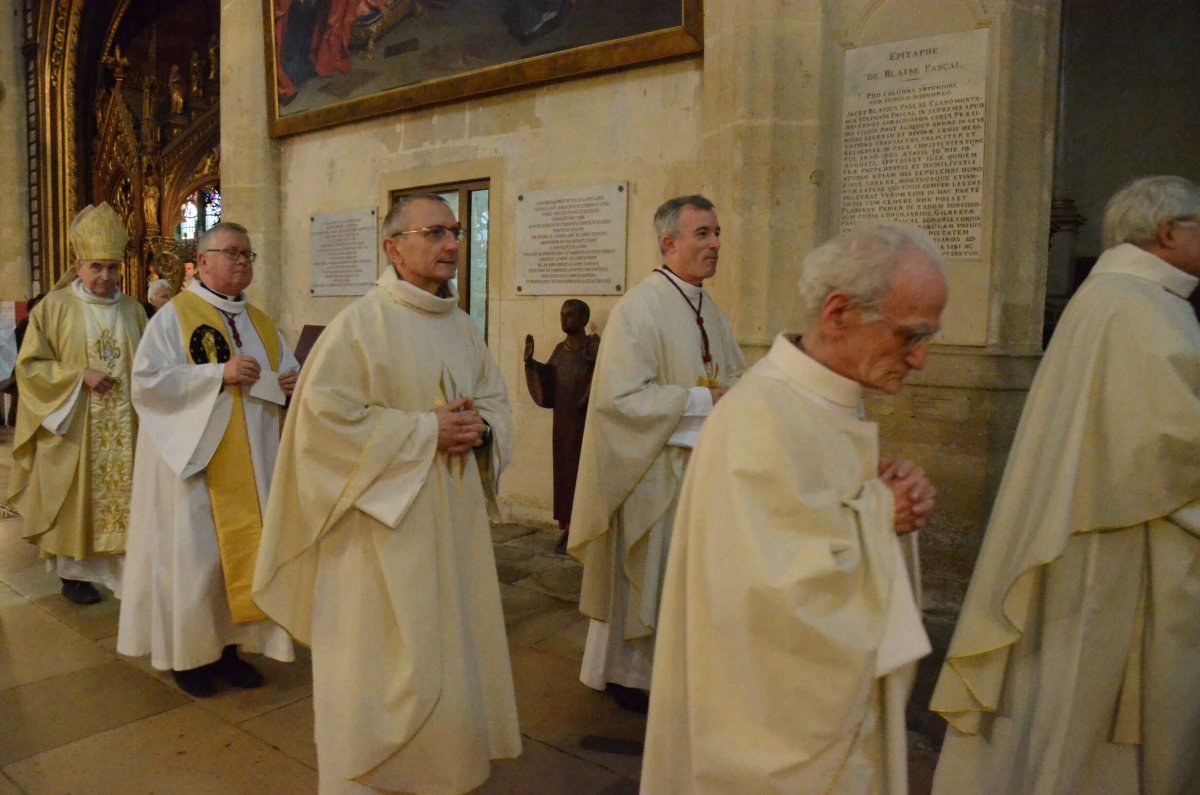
<point x="343" y="253"/>
<point x="572" y="242"/>
<point x="913" y="135"/>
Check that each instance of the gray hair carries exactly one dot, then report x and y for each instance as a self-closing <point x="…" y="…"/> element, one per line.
<point x="394" y="222"/>
<point x="859" y="264"/>
<point x="666" y="217"/>
<point x="156" y="286"/>
<point x="1134" y="212"/>
<point x="205" y="240"/>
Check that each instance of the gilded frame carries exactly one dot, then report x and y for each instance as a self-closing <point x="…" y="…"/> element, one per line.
<point x="682" y="40"/>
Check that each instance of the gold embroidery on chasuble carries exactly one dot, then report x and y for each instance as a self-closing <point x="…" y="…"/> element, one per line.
<point x="111" y="430"/>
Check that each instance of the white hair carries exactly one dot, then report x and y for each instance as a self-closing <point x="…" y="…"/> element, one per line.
<point x="1134" y="212"/>
<point x="859" y="264"/>
<point x="156" y="286"/>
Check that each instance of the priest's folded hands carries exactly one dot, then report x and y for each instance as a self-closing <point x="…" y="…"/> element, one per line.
<point x="97" y="381"/>
<point x="914" y="495"/>
<point x="460" y="428"/>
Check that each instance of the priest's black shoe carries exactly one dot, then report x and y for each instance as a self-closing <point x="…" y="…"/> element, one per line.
<point x="629" y="698"/>
<point x="80" y="592"/>
<point x="235" y="670"/>
<point x="196" y="682"/>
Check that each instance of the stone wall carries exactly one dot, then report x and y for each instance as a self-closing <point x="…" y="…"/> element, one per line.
<point x="14" y="199"/>
<point x="753" y="124"/>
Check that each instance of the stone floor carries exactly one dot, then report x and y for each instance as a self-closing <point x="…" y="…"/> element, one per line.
<point x="77" y="717"/>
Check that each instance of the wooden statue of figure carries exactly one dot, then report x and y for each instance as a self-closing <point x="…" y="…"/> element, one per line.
<point x="563" y="384"/>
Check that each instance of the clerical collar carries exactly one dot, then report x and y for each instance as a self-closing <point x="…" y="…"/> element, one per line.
<point x="692" y="291"/>
<point x="229" y="306"/>
<point x="1134" y="261"/>
<point x="811" y="376"/>
<point x="406" y="294"/>
<point x="221" y="295"/>
<point x="84" y="294"/>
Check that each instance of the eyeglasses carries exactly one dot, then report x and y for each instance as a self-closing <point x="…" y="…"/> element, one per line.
<point x="435" y="233"/>
<point x="234" y="254"/>
<point x="909" y="339"/>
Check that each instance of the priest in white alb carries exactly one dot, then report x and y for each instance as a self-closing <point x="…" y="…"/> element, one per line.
<point x="210" y="381"/>
<point x="1073" y="668"/>
<point x="74" y="445"/>
<point x="790" y="628"/>
<point x="377" y="547"/>
<point x="668" y="357"/>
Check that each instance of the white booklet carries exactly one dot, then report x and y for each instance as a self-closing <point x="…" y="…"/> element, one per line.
<point x="267" y="388"/>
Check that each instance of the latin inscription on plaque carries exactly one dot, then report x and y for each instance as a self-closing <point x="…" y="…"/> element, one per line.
<point x="913" y="130"/>
<point x="343" y="253"/>
<point x="572" y="242"/>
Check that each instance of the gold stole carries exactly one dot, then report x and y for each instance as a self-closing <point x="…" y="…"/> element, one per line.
<point x="230" y="473"/>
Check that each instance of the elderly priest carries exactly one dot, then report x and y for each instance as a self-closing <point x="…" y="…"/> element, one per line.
<point x="209" y="383"/>
<point x="1074" y="667"/>
<point x="789" y="628"/>
<point x="73" y="452"/>
<point x="377" y="549"/>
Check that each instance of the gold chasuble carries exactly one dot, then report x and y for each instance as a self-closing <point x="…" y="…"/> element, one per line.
<point x="73" y="451"/>
<point x="230" y="473"/>
<point x="1073" y="667"/>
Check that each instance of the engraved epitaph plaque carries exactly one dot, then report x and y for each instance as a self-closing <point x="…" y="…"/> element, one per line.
<point x="343" y="253"/>
<point x="572" y="242"/>
<point x="913" y="134"/>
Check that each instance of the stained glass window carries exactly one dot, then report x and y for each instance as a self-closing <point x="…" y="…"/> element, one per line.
<point x="200" y="212"/>
<point x="190" y="213"/>
<point x="212" y="208"/>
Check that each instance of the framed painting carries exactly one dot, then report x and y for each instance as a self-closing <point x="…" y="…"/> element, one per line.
<point x="335" y="61"/>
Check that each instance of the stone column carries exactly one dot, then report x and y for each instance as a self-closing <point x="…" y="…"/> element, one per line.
<point x="766" y="139"/>
<point x="15" y="282"/>
<point x="250" y="180"/>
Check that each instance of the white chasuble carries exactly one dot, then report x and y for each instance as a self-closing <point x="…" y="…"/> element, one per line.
<point x="783" y="578"/>
<point x="377" y="549"/>
<point x="175" y="606"/>
<point x="1073" y="665"/>
<point x="642" y="418"/>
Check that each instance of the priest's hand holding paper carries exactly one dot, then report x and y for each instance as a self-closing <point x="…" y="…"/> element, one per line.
<point x="97" y="381"/>
<point x="460" y="428"/>
<point x="914" y="495"/>
<point x="287" y="381"/>
<point x="242" y="370"/>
